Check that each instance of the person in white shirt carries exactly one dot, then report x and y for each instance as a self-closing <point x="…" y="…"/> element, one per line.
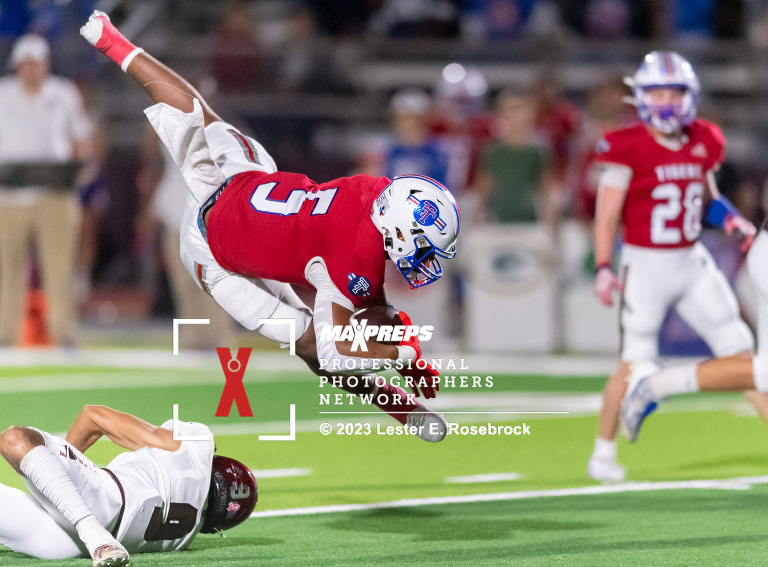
<point x="43" y="122"/>
<point x="156" y="497"/>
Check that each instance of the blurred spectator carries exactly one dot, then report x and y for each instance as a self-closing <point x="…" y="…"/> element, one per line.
<point x="164" y="193"/>
<point x="558" y="122"/>
<point x="515" y="180"/>
<point x="234" y="58"/>
<point x="417" y="18"/>
<point x="43" y="123"/>
<point x="299" y="67"/>
<point x="461" y="126"/>
<point x="305" y="62"/>
<point x="94" y="200"/>
<point x="606" y="110"/>
<point x="412" y="151"/>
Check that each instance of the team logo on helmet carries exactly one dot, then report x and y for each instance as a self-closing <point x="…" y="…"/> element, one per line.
<point x="426" y="213"/>
<point x="382" y="204"/>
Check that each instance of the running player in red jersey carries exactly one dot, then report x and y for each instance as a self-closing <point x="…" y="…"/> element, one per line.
<point x="658" y="180"/>
<point x="250" y="232"/>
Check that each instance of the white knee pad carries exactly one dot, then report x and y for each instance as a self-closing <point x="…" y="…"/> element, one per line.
<point x="639" y="346"/>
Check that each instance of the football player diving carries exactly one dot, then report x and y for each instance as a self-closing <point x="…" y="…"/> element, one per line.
<point x="155" y="497"/>
<point x="250" y="232"/>
<point x="658" y="181"/>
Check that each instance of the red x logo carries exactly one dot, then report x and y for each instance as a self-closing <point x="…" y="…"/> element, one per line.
<point x="234" y="391"/>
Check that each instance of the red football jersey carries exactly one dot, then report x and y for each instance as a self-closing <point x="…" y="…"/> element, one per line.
<point x="663" y="205"/>
<point x="271" y="225"/>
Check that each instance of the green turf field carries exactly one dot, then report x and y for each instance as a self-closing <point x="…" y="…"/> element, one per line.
<point x="549" y="515"/>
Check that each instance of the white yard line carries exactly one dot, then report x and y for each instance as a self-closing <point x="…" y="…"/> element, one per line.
<point x="281" y="360"/>
<point x="280" y="473"/>
<point x="742" y="483"/>
<point x="131" y="380"/>
<point x="480" y="478"/>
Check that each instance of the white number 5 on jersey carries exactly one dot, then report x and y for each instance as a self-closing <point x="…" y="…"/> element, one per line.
<point x="262" y="202"/>
<point x="669" y="210"/>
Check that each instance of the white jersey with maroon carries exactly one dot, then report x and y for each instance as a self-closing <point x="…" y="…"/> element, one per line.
<point x="157" y="505"/>
<point x="165" y="492"/>
<point x="662" y="263"/>
<point x="665" y="187"/>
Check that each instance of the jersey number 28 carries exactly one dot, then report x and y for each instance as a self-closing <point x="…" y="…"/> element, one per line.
<point x="674" y="199"/>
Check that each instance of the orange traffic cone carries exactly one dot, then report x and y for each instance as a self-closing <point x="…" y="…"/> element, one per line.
<point x="33" y="329"/>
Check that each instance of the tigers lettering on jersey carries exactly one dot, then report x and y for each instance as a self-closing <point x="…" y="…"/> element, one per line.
<point x="677" y="171"/>
<point x="664" y="202"/>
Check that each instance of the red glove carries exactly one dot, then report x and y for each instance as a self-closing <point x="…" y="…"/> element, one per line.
<point x="412" y="342"/>
<point x="742" y="228"/>
<point x="421" y="373"/>
<point x="605" y="282"/>
<point x="422" y="376"/>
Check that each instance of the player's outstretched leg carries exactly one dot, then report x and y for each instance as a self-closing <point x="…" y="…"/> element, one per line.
<point x="26" y="452"/>
<point x="160" y="83"/>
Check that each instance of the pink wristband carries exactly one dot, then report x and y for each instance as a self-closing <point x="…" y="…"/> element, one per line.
<point x="114" y="45"/>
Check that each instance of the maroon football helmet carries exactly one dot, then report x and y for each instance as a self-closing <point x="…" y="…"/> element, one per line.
<point x="232" y="496"/>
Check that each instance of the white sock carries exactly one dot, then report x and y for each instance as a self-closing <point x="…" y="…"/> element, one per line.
<point x="604" y="449"/>
<point x="674" y="380"/>
<point x="44" y="470"/>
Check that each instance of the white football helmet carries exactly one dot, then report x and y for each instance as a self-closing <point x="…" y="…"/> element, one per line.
<point x="665" y="69"/>
<point x="419" y="220"/>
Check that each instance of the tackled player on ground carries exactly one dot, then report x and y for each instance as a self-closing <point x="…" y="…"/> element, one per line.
<point x="155" y="497"/>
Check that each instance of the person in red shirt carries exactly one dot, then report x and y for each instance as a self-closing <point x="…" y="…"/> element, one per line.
<point x="658" y="181"/>
<point x="250" y="232"/>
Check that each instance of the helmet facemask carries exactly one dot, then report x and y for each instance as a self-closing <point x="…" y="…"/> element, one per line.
<point x="423" y="267"/>
<point x="419" y="221"/>
<point x="668" y="118"/>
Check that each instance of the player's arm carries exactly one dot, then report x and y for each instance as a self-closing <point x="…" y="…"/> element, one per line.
<point x="123" y="429"/>
<point x="721" y="212"/>
<point x="161" y="83"/>
<point x="332" y="308"/>
<point x="611" y="191"/>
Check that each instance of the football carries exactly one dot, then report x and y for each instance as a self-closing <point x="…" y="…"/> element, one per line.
<point x="380" y="315"/>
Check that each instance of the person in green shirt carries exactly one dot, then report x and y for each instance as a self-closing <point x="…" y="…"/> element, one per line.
<point x="515" y="180"/>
